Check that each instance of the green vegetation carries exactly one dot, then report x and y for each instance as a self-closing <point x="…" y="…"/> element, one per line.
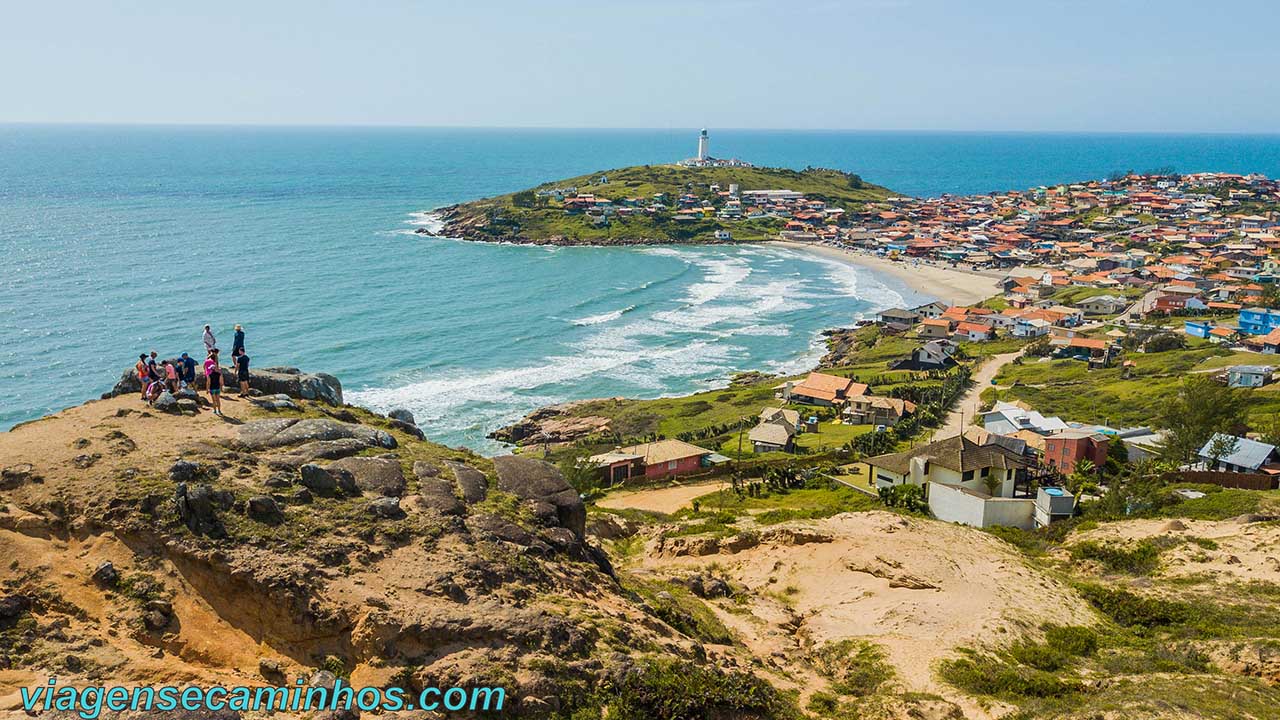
<point x="854" y="667"/>
<point x="526" y="215"/>
<point x="670" y="689"/>
<point x="1141" y="558"/>
<point x="675" y="605"/>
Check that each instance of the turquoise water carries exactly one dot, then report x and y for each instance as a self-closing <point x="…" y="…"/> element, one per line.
<point x="118" y="240"/>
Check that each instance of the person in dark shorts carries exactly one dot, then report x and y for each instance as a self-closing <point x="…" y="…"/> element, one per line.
<point x="213" y="381"/>
<point x="188" y="369"/>
<point x="238" y="342"/>
<point x="242" y="370"/>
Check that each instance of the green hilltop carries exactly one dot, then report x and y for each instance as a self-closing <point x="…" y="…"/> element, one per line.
<point x="644" y="208"/>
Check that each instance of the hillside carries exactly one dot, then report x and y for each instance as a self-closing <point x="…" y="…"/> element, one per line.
<point x="652" y="204"/>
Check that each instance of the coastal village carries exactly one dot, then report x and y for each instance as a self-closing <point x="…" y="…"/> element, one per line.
<point x="1056" y="495"/>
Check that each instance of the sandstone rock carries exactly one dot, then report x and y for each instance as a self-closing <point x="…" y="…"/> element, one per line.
<point x="610" y="527"/>
<point x="274" y="402"/>
<point x="544" y="488"/>
<point x="269" y="668"/>
<point x="186" y="406"/>
<point x="435" y="491"/>
<point x="15" y="475"/>
<point x="383" y="476"/>
<point x="106" y="574"/>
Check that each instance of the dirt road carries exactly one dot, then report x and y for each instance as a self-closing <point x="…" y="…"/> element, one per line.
<point x="663" y="500"/>
<point x="965" y="410"/>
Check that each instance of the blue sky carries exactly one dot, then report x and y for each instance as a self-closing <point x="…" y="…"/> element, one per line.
<point x="1082" y="65"/>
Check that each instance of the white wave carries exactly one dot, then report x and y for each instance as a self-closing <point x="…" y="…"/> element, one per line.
<point x="603" y="317"/>
<point x="430" y="220"/>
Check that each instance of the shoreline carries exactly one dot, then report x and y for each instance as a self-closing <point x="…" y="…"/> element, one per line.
<point x="948" y="285"/>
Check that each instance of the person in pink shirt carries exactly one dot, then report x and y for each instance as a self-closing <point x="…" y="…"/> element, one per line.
<point x="171" y="376"/>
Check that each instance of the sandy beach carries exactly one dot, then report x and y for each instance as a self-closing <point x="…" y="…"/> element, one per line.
<point x="956" y="287"/>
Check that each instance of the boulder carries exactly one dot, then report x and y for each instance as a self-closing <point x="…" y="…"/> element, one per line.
<point x="14" y="606"/>
<point x="436" y="491"/>
<point x="15" y="475"/>
<point x="274" y="402"/>
<point x="198" y="507"/>
<point x="318" y="450"/>
<point x="262" y="434"/>
<point x="188" y="406"/>
<point x="386" y="507"/>
<point x="323" y="481"/>
<point x="542" y="486"/>
<point x="106" y="574"/>
<point x="268" y="381"/>
<point x="402" y="415"/>
<point x="486" y="526"/>
<point x="610" y="527"/>
<point x="383" y="476"/>
<point x="473" y="484"/>
<point x="264" y="509"/>
<point x="166" y="402"/>
<point x="184" y="471"/>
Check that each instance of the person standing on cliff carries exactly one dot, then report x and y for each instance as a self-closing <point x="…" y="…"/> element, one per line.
<point x="242" y="369"/>
<point x="237" y="344"/>
<point x="188" y="364"/>
<point x="213" y="381"/>
<point x="144" y="374"/>
<point x="210" y="343"/>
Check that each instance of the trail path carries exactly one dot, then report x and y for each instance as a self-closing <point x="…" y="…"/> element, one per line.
<point x="971" y="402"/>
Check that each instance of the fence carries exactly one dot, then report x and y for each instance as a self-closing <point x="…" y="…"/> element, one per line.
<point x="1241" y="481"/>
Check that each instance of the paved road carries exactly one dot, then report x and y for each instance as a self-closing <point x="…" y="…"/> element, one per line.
<point x="967" y="408"/>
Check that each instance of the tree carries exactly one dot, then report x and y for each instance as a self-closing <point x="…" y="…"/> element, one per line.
<point x="1221" y="446"/>
<point x="1084" y="478"/>
<point x="581" y="474"/>
<point x="1117" y="457"/>
<point x="1201" y="408"/>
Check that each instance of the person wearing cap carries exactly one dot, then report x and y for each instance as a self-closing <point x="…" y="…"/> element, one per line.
<point x="238" y="343"/>
<point x="210" y="342"/>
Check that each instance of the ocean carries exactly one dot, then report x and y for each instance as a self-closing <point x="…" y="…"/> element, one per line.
<point x="118" y="240"/>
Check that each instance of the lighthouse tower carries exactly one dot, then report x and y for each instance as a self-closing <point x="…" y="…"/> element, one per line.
<point x="704" y="146"/>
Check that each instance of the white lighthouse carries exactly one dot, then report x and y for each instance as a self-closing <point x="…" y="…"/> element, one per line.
<point x="704" y="146"/>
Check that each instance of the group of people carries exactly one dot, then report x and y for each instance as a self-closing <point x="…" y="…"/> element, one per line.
<point x="174" y="375"/>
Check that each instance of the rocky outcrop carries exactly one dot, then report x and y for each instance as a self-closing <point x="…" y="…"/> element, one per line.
<point x="544" y="489"/>
<point x="262" y="434"/>
<point x="552" y="424"/>
<point x="269" y="381"/>
<point x="378" y="475"/>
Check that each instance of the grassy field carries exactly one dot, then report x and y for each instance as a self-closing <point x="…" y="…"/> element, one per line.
<point x="1069" y="389"/>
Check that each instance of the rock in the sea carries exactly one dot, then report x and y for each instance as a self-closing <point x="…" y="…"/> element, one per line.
<point x="264" y="509"/>
<point x="540" y="484"/>
<point x="383" y="476"/>
<point x="402" y="415"/>
<point x="386" y="507"/>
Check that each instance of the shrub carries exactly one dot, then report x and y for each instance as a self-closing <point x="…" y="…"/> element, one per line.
<point x="1133" y="610"/>
<point x="667" y="689"/>
<point x="854" y="667"/>
<point x="1140" y="559"/>
<point x="907" y="497"/>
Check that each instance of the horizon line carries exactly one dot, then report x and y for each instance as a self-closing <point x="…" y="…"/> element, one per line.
<point x="618" y="128"/>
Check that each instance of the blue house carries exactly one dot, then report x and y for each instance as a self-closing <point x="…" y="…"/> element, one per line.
<point x="1197" y="328"/>
<point x="1259" y="320"/>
